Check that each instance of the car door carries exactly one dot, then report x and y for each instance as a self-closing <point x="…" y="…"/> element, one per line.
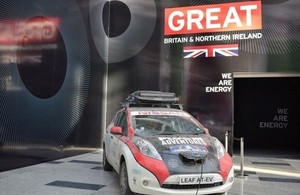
<point x="115" y="142"/>
<point x="110" y="139"/>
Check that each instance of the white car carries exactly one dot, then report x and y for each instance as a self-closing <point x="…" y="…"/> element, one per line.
<point x="157" y="148"/>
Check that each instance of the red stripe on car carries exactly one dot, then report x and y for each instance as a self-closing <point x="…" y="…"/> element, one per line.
<point x="157" y="167"/>
<point x="225" y="166"/>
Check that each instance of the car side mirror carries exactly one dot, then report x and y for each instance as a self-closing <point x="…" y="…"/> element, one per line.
<point x="206" y="130"/>
<point x="116" y="130"/>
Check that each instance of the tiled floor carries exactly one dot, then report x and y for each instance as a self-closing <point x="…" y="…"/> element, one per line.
<point x="83" y="174"/>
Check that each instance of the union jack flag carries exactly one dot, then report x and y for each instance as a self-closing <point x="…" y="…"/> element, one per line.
<point x="211" y="51"/>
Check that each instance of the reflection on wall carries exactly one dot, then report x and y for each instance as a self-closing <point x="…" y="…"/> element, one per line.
<point x="50" y="83"/>
<point x="41" y="52"/>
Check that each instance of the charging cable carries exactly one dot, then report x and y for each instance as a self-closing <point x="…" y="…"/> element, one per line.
<point x="201" y="174"/>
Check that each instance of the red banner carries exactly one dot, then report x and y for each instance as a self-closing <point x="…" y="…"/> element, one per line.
<point x="35" y="30"/>
<point x="213" y="18"/>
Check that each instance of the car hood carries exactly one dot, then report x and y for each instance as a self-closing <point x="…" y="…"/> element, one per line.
<point x="186" y="153"/>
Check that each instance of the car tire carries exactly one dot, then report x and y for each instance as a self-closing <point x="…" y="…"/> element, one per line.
<point x="124" y="185"/>
<point x="106" y="165"/>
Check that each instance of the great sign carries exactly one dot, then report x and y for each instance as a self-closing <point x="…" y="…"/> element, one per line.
<point x="213" y="18"/>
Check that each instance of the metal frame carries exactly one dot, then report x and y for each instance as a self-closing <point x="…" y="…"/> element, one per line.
<point x="152" y="99"/>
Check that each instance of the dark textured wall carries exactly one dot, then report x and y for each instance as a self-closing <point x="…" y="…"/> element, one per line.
<point x="51" y="81"/>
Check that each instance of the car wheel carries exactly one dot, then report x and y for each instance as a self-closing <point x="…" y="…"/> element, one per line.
<point x="106" y="165"/>
<point x="124" y="186"/>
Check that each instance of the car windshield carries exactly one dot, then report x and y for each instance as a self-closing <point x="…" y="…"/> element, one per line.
<point x="148" y="125"/>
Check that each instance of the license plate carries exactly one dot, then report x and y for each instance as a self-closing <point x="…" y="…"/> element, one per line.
<point x="196" y="180"/>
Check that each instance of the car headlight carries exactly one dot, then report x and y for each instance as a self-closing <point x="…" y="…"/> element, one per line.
<point x="219" y="148"/>
<point x="146" y="148"/>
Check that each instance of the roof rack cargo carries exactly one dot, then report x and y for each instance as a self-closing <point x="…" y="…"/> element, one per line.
<point x="152" y="99"/>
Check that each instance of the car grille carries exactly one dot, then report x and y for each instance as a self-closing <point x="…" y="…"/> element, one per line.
<point x="176" y="186"/>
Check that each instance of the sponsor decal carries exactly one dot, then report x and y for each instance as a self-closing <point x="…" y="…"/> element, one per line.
<point x="136" y="171"/>
<point x="134" y="180"/>
<point x="181" y="141"/>
<point x="173" y="163"/>
<point x="170" y="113"/>
<point x="213" y="18"/>
<point x="188" y="148"/>
<point x="211" y="51"/>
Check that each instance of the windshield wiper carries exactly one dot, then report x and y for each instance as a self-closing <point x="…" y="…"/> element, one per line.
<point x="198" y="133"/>
<point x="165" y="133"/>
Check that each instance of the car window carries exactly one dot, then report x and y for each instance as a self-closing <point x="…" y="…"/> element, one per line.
<point x="122" y="122"/>
<point x="117" y="118"/>
<point x="165" y="124"/>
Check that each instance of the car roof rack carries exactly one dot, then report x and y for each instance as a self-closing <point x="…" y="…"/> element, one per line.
<point x="152" y="99"/>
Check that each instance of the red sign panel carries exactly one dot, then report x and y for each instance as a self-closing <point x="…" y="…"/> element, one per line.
<point x="35" y="30"/>
<point x="213" y="18"/>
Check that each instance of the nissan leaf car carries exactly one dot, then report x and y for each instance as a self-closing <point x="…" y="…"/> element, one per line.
<point x="157" y="148"/>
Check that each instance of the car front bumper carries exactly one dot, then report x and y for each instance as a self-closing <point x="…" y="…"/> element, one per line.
<point x="144" y="182"/>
